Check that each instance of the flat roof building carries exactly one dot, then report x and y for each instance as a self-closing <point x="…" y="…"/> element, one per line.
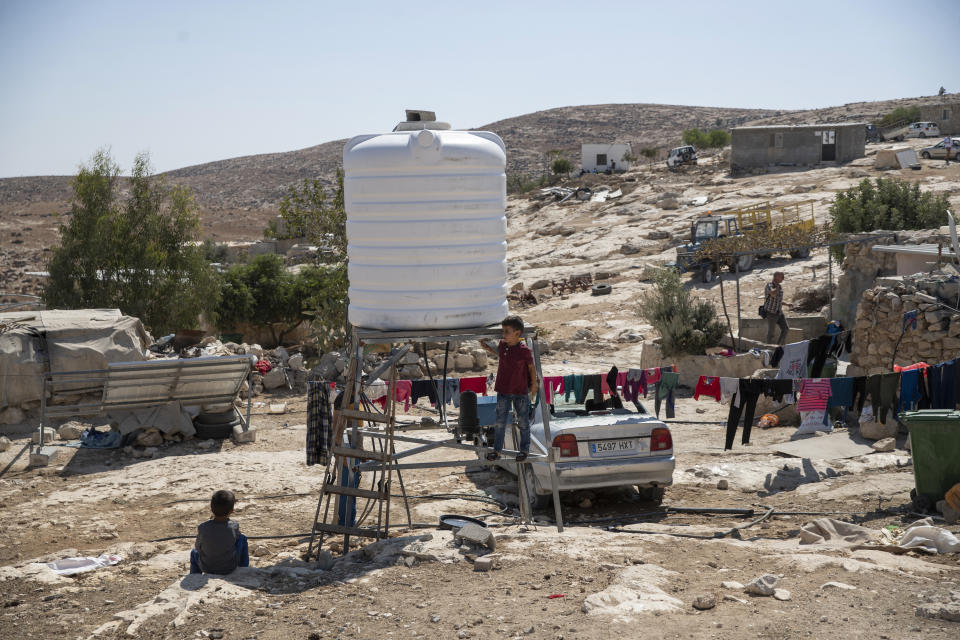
<point x="796" y="145"/>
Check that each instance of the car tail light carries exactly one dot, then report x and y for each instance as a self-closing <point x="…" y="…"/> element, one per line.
<point x="660" y="439"/>
<point x="567" y="444"/>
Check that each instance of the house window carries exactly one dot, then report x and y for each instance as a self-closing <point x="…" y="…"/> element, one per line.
<point x="946" y="115"/>
<point x="778" y="140"/>
<point x="601" y="159"/>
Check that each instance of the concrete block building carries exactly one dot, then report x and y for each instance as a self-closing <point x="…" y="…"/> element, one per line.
<point x="945" y="114"/>
<point x="600" y="157"/>
<point x="796" y="145"/>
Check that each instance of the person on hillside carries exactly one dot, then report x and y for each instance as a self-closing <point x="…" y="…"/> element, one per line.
<point x="773" y="307"/>
<point x="948" y="147"/>
<point x="516" y="386"/>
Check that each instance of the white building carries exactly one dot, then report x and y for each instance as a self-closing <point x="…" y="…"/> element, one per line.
<point x="600" y="157"/>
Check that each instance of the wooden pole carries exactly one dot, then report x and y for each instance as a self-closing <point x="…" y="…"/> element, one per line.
<point x="736" y="267"/>
<point x="723" y="301"/>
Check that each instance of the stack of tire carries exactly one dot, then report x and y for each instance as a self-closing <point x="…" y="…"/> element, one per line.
<point x="215" y="423"/>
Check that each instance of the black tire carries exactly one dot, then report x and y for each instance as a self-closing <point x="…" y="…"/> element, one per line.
<point x="601" y="290"/>
<point x="925" y="155"/>
<point x="534" y="499"/>
<point x="800" y="253"/>
<point x="214" y="432"/>
<point x="923" y="134"/>
<point x="686" y="157"/>
<point x="217" y="419"/>
<point x="707" y="274"/>
<point x="652" y="494"/>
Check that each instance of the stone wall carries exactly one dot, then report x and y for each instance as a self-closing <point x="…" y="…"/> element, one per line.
<point x="691" y="368"/>
<point x="879" y="322"/>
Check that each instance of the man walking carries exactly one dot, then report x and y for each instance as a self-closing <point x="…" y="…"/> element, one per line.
<point x="772" y="305"/>
<point x="948" y="147"/>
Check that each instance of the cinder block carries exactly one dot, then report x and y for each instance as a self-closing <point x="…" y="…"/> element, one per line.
<point x="44" y="456"/>
<point x="240" y="436"/>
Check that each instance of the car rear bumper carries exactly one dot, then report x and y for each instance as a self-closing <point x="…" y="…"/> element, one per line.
<point x="594" y="474"/>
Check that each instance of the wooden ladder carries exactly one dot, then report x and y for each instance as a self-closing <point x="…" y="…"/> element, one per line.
<point x="339" y="489"/>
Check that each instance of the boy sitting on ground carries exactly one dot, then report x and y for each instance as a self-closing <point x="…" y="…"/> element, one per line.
<point x="220" y="547"/>
<point x="516" y="384"/>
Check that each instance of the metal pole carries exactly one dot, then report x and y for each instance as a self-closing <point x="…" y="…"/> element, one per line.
<point x="246" y="426"/>
<point x="551" y="453"/>
<point x="830" y="279"/>
<point x="736" y="268"/>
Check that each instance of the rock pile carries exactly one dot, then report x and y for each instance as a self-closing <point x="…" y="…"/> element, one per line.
<point x="880" y="321"/>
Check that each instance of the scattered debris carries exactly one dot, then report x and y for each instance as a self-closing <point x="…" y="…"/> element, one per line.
<point x="765" y="585"/>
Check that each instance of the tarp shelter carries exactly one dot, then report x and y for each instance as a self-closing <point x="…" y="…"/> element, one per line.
<point x="34" y="342"/>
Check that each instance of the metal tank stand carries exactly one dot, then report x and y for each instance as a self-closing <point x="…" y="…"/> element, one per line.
<point x="348" y="422"/>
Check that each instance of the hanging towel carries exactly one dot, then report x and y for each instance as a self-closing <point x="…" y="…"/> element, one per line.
<point x="478" y="385"/>
<point x="841" y="393"/>
<point x="707" y="386"/>
<point x="319" y="423"/>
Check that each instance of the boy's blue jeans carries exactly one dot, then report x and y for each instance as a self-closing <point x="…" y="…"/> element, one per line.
<point x="242" y="549"/>
<point x="521" y="410"/>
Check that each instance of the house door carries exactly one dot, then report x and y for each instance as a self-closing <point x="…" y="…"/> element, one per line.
<point x="828" y="146"/>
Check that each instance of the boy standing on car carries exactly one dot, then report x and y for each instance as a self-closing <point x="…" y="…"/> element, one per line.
<point x="516" y="385"/>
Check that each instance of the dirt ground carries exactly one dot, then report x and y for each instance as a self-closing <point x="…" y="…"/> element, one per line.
<point x="609" y="578"/>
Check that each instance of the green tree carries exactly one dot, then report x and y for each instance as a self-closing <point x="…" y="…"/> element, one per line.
<point x="649" y="153"/>
<point x="695" y="137"/>
<point x="718" y="138"/>
<point x="307" y="211"/>
<point x="889" y="204"/>
<point x="900" y="114"/>
<point x="137" y="253"/>
<point x="263" y="293"/>
<point x="686" y="326"/>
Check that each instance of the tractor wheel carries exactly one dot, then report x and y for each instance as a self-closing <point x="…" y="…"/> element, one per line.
<point x="800" y="253"/>
<point x="707" y="274"/>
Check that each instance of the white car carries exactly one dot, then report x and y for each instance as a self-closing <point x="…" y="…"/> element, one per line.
<point x="608" y="448"/>
<point x="923" y="130"/>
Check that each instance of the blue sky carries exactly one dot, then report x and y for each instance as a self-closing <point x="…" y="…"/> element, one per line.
<point x="192" y="82"/>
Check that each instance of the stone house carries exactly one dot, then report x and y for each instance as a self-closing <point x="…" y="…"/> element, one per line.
<point x="796" y="145"/>
<point x="945" y="114"/>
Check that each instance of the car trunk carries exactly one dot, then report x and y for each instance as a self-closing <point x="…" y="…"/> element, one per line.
<point x="606" y="436"/>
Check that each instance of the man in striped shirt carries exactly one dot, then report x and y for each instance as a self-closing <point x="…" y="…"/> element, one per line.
<point x="772" y="305"/>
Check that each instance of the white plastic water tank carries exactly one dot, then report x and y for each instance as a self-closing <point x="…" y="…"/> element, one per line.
<point x="426" y="230"/>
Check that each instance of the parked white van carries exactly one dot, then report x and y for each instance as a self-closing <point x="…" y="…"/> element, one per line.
<point x="924" y="130"/>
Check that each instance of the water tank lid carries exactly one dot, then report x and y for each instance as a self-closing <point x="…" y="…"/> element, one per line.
<point x="420" y="119"/>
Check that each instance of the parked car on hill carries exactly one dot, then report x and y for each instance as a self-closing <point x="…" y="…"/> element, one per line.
<point x="923" y="130"/>
<point x="598" y="448"/>
<point x="939" y="151"/>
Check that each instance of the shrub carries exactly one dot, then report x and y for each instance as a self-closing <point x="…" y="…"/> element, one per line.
<point x="561" y="165"/>
<point x="718" y="138"/>
<point x="889" y="204"/>
<point x="686" y="326"/>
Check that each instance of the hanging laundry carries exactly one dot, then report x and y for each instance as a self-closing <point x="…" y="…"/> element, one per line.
<point x="477" y="384"/>
<point x="707" y="386"/>
<point x="450" y="390"/>
<point x="375" y="390"/>
<point x="653" y="375"/>
<point x="910" y="382"/>
<point x="668" y="382"/>
<point x="319" y="423"/>
<point x="578" y="389"/>
<point x="593" y="383"/>
<point x="747" y="394"/>
<point x="609" y="386"/>
<point x="942" y="379"/>
<point x="882" y="389"/>
<point x="424" y="389"/>
<point x="553" y="385"/>
<point x="401" y="393"/>
<point x="779" y="390"/>
<point x="817" y="352"/>
<point x="859" y="393"/>
<point x="814" y="395"/>
<point x="841" y="393"/>
<point x="776" y="357"/>
<point x="621" y="380"/>
<point x="637" y="381"/>
<point x="728" y="389"/>
<point x="794" y="362"/>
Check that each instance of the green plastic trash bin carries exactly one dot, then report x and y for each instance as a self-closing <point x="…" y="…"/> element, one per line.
<point x="935" y="448"/>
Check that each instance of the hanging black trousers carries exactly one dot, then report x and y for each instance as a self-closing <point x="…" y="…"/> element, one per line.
<point x="746" y="398"/>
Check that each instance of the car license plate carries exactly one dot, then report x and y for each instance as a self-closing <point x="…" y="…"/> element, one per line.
<point x="603" y="448"/>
